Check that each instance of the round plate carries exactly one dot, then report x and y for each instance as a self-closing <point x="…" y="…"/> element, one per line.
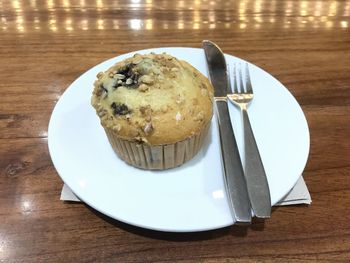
<point x="187" y="198"/>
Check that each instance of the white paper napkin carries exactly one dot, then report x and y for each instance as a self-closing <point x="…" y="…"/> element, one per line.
<point x="298" y="195"/>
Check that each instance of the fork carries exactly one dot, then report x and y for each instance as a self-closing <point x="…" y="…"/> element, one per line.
<point x="258" y="189"/>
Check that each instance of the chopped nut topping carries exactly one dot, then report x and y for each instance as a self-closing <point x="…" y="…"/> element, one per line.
<point x="143" y="87"/>
<point x="161" y="78"/>
<point x="98" y="91"/>
<point x="148" y="118"/>
<point x="102" y="112"/>
<point x="174" y="69"/>
<point x="146" y="79"/>
<point x="180" y="99"/>
<point x="204" y="92"/>
<point x="203" y="86"/>
<point x="199" y="117"/>
<point x="167" y="56"/>
<point x="164" y="108"/>
<point x="99" y="75"/>
<point x="156" y="70"/>
<point x="145" y="110"/>
<point x="142" y="110"/>
<point x="119" y="76"/>
<point x="137" y="60"/>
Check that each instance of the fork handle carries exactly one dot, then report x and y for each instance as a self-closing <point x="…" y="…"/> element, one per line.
<point x="258" y="188"/>
<point x="235" y="184"/>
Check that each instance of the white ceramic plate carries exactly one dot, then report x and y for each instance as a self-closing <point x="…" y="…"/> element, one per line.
<point x="187" y="198"/>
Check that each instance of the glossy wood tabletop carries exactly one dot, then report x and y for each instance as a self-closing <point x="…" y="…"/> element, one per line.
<point x="45" y="45"/>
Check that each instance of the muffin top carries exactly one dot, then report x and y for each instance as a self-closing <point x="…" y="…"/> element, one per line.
<point x="154" y="98"/>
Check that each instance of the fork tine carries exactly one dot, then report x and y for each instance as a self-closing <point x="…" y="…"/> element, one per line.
<point x="247" y="79"/>
<point x="240" y="76"/>
<point x="235" y="81"/>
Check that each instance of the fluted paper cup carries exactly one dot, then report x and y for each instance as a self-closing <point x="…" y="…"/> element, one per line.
<point x="157" y="157"/>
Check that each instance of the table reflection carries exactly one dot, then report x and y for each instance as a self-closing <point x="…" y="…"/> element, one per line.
<point x="83" y="15"/>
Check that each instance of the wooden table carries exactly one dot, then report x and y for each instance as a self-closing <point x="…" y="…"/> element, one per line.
<point x="45" y="45"/>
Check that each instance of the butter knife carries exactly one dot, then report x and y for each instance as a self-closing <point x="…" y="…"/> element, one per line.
<point x="235" y="183"/>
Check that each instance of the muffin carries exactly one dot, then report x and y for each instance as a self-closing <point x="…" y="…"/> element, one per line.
<point x="155" y="109"/>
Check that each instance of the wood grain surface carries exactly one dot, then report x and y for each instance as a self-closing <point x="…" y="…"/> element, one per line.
<point x="45" y="45"/>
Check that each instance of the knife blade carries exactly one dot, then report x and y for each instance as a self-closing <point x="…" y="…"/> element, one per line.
<point x="235" y="184"/>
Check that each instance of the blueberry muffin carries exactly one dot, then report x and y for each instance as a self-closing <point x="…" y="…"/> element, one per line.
<point x="155" y="109"/>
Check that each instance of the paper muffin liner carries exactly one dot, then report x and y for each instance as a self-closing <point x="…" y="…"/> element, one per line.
<point x="158" y="157"/>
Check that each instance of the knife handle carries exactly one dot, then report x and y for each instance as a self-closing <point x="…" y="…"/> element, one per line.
<point x="258" y="187"/>
<point x="235" y="183"/>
